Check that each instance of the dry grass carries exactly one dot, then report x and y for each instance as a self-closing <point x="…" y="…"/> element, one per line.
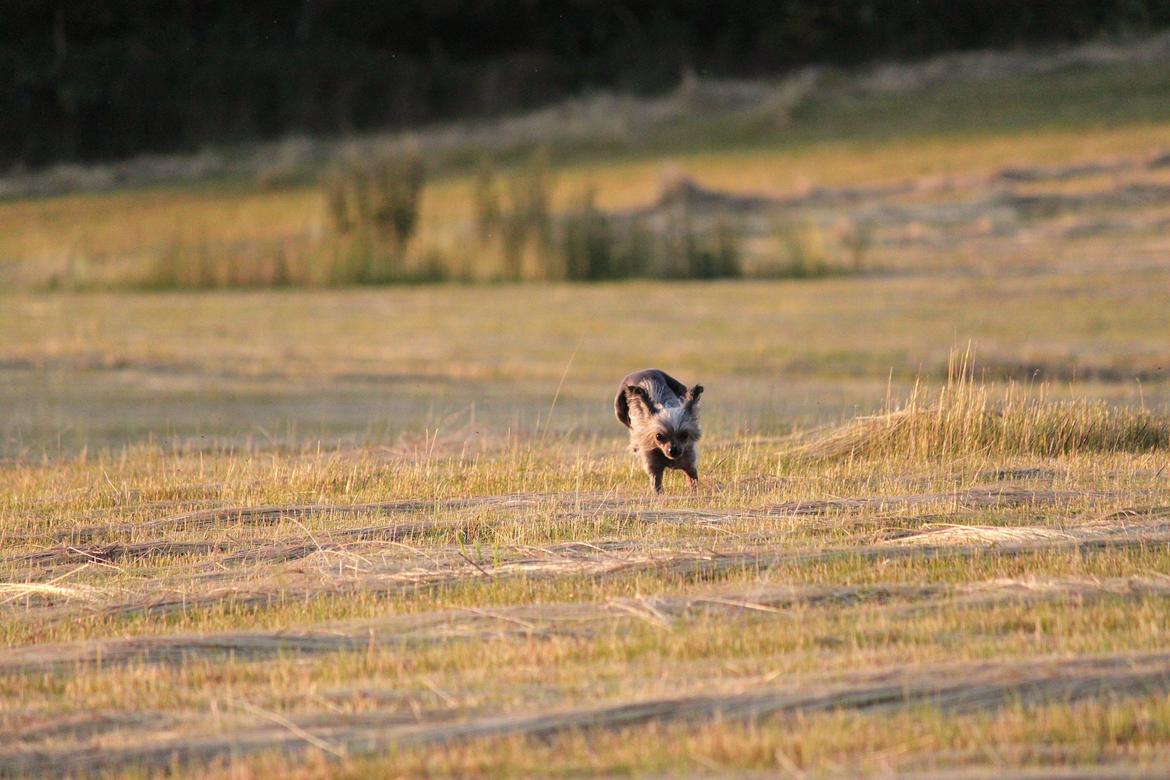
<point x="965" y="419"/>
<point x="985" y="686"/>
<point x="803" y="225"/>
<point x="394" y="532"/>
<point x="350" y="636"/>
<point x="852" y="164"/>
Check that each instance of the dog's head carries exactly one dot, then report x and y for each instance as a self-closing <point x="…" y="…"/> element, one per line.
<point x="674" y="430"/>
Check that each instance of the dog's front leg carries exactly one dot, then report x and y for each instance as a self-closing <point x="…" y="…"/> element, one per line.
<point x="654" y="467"/>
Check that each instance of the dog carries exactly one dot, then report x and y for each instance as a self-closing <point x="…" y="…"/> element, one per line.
<point x="662" y="415"/>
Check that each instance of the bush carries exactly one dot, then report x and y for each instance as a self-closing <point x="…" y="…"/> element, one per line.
<point x="806" y="250"/>
<point x="381" y="197"/>
<point x="587" y="242"/>
<point x="373" y="212"/>
<point x="515" y="220"/>
<point x="201" y="265"/>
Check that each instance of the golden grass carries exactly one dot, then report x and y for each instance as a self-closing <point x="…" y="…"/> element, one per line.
<point x="964" y="419"/>
<point x="934" y="144"/>
<point x="350" y="532"/>
<point x="104" y="239"/>
<point x="1045" y="739"/>
<point x="273" y="600"/>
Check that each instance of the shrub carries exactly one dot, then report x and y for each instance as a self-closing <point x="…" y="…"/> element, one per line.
<point x="200" y="264"/>
<point x="803" y="251"/>
<point x="381" y="196"/>
<point x="373" y="212"/>
<point x="588" y="243"/>
<point x="518" y="227"/>
<point x="669" y="245"/>
<point x="806" y="250"/>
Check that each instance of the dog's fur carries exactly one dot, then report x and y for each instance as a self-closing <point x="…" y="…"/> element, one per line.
<point x="663" y="417"/>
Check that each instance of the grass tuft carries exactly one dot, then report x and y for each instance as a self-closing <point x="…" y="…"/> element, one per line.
<point x="516" y="224"/>
<point x="966" y="417"/>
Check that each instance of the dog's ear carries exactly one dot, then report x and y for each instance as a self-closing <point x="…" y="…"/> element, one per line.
<point x="632" y="397"/>
<point x="691" y="399"/>
<point x="621" y="407"/>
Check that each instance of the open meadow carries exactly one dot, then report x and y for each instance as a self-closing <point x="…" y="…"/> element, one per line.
<point x="364" y="531"/>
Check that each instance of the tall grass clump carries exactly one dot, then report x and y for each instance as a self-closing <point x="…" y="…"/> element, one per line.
<point x="806" y="250"/>
<point x="689" y="241"/>
<point x="194" y="264"/>
<point x="596" y="246"/>
<point x="381" y="197"/>
<point x="684" y="250"/>
<point x="515" y="222"/>
<point x="672" y="245"/>
<point x="372" y="210"/>
<point x="587" y="242"/>
<point x="967" y="417"/>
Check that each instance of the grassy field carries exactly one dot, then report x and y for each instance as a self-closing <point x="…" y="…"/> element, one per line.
<point x="393" y="531"/>
<point x="945" y="129"/>
<point x="936" y="590"/>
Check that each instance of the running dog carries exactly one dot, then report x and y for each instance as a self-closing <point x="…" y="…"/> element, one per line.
<point x="663" y="417"/>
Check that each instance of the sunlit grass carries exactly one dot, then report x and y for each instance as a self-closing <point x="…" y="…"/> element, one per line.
<point x="837" y="139"/>
<point x="456" y="538"/>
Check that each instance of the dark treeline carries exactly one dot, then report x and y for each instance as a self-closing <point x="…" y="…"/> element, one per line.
<point x="98" y="79"/>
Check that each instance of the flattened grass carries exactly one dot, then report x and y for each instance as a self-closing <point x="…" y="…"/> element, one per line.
<point x="538" y="607"/>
